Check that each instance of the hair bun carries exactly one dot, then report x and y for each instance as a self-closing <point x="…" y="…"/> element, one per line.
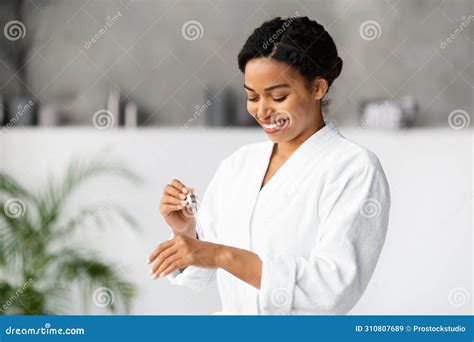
<point x="336" y="69"/>
<point x="302" y="43"/>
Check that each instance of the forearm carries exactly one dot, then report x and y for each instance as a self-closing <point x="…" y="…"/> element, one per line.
<point x="182" y="251"/>
<point x="242" y="263"/>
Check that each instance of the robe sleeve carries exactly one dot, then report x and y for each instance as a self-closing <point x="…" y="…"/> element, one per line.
<point x="198" y="278"/>
<point x="353" y="212"/>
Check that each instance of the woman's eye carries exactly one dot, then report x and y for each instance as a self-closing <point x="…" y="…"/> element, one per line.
<point x="253" y="99"/>
<point x="280" y="99"/>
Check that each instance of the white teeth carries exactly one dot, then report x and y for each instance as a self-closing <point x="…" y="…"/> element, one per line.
<point x="276" y="125"/>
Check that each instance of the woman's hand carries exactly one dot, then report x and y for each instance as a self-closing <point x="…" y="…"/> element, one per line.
<point x="173" y="208"/>
<point x="182" y="251"/>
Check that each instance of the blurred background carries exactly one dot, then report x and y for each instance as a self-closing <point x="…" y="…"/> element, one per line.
<point x="163" y="60"/>
<point x="102" y="103"/>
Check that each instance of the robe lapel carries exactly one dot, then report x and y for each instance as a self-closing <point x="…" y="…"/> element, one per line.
<point x="301" y="158"/>
<point x="293" y="167"/>
<point x="260" y="159"/>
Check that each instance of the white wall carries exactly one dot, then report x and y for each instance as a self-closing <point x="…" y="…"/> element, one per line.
<point x="428" y="250"/>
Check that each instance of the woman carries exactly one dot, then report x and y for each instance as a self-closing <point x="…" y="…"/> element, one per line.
<point x="295" y="224"/>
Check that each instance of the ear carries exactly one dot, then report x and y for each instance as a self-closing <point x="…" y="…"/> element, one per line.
<point x="320" y="87"/>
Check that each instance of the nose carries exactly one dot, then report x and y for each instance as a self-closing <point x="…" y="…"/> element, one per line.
<point x="263" y="111"/>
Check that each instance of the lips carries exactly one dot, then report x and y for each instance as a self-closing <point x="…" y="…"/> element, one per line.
<point x="276" y="125"/>
<point x="271" y="125"/>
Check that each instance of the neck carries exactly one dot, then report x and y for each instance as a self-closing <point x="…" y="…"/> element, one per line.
<point x="285" y="149"/>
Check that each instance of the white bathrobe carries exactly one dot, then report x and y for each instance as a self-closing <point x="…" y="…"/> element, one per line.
<point x="318" y="225"/>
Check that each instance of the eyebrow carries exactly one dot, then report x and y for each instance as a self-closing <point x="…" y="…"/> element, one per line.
<point x="276" y="86"/>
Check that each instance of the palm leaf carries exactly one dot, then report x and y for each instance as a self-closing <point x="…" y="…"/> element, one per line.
<point x="27" y="241"/>
<point x="92" y="273"/>
<point x="11" y="187"/>
<point x="50" y="203"/>
<point x="94" y="216"/>
<point x="21" y="299"/>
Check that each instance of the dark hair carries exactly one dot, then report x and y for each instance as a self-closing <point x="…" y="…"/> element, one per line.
<point x="298" y="41"/>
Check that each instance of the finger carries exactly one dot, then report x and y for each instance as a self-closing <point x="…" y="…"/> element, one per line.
<point x="166" y="209"/>
<point x="171" y="268"/>
<point x="166" y="263"/>
<point x="174" y="192"/>
<point x="162" y="258"/>
<point x="161" y="247"/>
<point x="180" y="186"/>
<point x="173" y="200"/>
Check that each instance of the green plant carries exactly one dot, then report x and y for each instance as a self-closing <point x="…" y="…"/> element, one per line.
<point x="39" y="272"/>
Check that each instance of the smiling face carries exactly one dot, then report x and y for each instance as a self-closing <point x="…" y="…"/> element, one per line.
<point x="280" y="101"/>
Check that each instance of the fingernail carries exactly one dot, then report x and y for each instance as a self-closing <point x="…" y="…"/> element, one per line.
<point x="154" y="276"/>
<point x="162" y="274"/>
<point x="184" y="190"/>
<point x="148" y="260"/>
<point x="183" y="202"/>
<point x="182" y="196"/>
<point x="151" y="272"/>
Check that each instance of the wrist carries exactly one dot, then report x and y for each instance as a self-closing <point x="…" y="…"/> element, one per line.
<point x="188" y="231"/>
